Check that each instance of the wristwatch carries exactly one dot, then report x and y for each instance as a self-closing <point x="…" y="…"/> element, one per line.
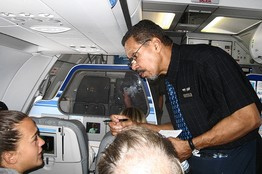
<point x="195" y="152"/>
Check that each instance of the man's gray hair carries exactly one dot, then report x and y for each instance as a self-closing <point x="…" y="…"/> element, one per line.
<point x="141" y="151"/>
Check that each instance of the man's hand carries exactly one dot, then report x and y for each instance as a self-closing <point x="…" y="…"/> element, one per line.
<point x="182" y="148"/>
<point x="117" y="126"/>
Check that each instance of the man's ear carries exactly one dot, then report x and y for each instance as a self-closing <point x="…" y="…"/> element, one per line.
<point x="157" y="44"/>
<point x="10" y="157"/>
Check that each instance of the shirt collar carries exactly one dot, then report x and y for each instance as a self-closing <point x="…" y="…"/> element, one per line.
<point x="174" y="64"/>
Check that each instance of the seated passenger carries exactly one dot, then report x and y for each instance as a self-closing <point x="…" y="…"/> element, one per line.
<point x="21" y="146"/>
<point x="133" y="114"/>
<point x="3" y="106"/>
<point x="139" y="150"/>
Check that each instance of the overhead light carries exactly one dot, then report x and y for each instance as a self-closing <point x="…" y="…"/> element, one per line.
<point x="91" y="49"/>
<point x="45" y="15"/>
<point x="37" y="20"/>
<point x="167" y="20"/>
<point x="206" y="11"/>
<point x="50" y="29"/>
<point x="193" y="11"/>
<point x="164" y="20"/>
<point x="23" y="14"/>
<point x="227" y="25"/>
<point x="211" y="26"/>
<point x="7" y="14"/>
<point x="182" y="31"/>
<point x="15" y="19"/>
<point x="54" y="20"/>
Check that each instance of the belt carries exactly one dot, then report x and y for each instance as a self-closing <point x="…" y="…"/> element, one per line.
<point x="223" y="153"/>
<point x="211" y="154"/>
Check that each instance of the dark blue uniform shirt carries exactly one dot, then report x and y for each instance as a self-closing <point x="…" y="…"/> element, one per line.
<point x="210" y="86"/>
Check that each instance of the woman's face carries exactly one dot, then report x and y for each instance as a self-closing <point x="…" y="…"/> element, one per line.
<point x="29" y="150"/>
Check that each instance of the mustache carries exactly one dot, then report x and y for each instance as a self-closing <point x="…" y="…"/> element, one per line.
<point x="140" y="71"/>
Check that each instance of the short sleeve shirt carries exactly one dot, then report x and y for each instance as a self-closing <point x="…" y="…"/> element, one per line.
<point x="210" y="86"/>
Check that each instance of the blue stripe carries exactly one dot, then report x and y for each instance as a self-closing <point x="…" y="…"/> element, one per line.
<point x="49" y="130"/>
<point x="50" y="103"/>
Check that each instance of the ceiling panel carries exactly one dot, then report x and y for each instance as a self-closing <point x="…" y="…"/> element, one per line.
<point x="92" y="24"/>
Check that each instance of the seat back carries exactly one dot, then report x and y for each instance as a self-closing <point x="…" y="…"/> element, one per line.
<point x="66" y="146"/>
<point x="92" y="95"/>
<point x="105" y="142"/>
<point x="7" y="171"/>
<point x="89" y="108"/>
<point x="118" y="102"/>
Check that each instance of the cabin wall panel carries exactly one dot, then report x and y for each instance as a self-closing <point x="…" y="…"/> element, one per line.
<point x="10" y="62"/>
<point x="22" y="73"/>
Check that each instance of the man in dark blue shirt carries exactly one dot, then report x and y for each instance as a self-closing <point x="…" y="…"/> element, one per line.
<point x="208" y="97"/>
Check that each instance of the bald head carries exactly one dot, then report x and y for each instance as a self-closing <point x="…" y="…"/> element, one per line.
<point x="141" y="151"/>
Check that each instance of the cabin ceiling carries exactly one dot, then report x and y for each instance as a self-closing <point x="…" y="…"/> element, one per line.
<point x="193" y="17"/>
<point x="85" y="26"/>
<point x="67" y="26"/>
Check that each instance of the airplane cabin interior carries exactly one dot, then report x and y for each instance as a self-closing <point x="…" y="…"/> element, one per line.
<point x="62" y="62"/>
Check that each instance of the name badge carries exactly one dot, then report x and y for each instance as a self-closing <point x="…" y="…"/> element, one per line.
<point x="187" y="95"/>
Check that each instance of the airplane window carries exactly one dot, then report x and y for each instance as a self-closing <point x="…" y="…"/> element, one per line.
<point x="103" y="93"/>
<point x="56" y="77"/>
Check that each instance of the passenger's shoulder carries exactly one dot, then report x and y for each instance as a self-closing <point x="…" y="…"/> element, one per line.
<point x="8" y="171"/>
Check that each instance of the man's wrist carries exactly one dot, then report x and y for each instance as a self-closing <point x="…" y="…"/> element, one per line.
<point x="195" y="151"/>
<point x="191" y="144"/>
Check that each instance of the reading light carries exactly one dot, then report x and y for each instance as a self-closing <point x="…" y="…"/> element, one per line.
<point x="50" y="29"/>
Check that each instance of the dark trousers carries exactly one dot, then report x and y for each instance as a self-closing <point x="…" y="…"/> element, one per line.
<point x="259" y="155"/>
<point x="241" y="160"/>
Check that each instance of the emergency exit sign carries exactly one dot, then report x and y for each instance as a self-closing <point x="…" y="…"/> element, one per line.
<point x="206" y="1"/>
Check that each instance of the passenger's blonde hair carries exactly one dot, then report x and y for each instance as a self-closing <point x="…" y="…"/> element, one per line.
<point x="134" y="114"/>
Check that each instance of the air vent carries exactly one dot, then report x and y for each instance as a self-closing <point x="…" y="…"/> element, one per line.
<point x="193" y="17"/>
